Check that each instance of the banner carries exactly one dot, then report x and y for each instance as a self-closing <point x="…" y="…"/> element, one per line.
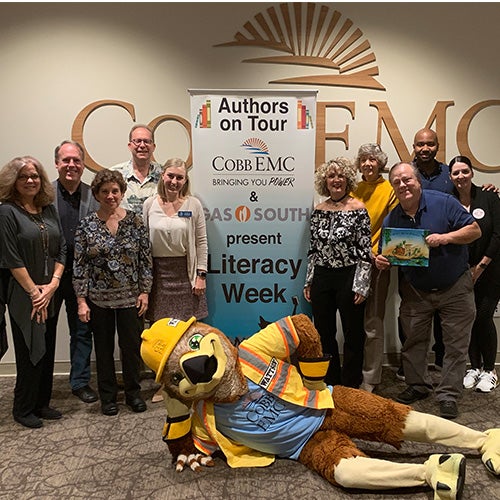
<point x="253" y="171"/>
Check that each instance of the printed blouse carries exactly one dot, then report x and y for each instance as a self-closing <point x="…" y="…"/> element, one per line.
<point x="341" y="239"/>
<point x="112" y="270"/>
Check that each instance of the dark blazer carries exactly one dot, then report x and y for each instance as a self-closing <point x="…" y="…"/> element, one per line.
<point x="88" y="203"/>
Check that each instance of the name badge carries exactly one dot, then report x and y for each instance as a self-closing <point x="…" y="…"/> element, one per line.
<point x="184" y="213"/>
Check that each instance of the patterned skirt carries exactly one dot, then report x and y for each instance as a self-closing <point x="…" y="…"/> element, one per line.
<point x="172" y="294"/>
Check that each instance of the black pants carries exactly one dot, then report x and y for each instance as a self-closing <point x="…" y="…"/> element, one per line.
<point x="33" y="388"/>
<point x="129" y="326"/>
<point x="331" y="291"/>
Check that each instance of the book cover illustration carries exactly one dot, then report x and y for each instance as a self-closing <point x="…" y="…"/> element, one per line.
<point x="405" y="247"/>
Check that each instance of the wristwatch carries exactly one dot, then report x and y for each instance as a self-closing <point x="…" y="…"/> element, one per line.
<point x="482" y="265"/>
<point x="201" y="274"/>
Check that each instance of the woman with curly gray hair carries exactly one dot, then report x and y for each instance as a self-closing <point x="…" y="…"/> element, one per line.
<point x="379" y="198"/>
<point x="339" y="269"/>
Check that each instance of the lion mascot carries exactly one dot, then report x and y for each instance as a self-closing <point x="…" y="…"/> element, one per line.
<point x="266" y="399"/>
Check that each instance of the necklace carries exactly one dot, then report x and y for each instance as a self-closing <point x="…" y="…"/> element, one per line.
<point x="44" y="236"/>
<point x="340" y="199"/>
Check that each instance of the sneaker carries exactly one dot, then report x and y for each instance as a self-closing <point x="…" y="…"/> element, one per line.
<point x="410" y="395"/>
<point x="488" y="380"/>
<point x="448" y="409"/>
<point x="471" y="378"/>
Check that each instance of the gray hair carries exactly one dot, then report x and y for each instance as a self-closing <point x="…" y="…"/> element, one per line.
<point x="415" y="170"/>
<point x="371" y="149"/>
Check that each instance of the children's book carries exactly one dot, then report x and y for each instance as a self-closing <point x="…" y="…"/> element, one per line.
<point x="405" y="247"/>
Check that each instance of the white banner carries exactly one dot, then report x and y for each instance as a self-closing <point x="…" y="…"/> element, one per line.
<point x="253" y="169"/>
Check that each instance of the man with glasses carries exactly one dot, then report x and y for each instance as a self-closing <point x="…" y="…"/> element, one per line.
<point x="445" y="286"/>
<point x="140" y="173"/>
<point x="73" y="201"/>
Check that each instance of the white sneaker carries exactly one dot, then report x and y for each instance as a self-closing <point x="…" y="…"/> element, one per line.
<point x="471" y="378"/>
<point x="487" y="381"/>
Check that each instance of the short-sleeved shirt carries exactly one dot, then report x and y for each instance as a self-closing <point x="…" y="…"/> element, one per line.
<point x="439" y="213"/>
<point x="267" y="423"/>
<point x="138" y="192"/>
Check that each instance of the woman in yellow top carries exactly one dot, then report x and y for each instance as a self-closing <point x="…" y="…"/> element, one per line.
<point x="379" y="198"/>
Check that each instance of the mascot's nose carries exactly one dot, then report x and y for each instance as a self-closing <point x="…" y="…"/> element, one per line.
<point x="200" y="369"/>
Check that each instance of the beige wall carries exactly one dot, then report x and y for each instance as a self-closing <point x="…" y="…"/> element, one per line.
<point x="55" y="59"/>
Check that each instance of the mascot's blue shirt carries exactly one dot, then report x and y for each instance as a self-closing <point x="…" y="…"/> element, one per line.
<point x="267" y="423"/>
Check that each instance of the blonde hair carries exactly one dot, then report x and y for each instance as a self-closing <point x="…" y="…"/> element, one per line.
<point x="174" y="162"/>
<point x="343" y="166"/>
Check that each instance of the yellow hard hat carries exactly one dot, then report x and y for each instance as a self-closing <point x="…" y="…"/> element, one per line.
<point x="159" y="341"/>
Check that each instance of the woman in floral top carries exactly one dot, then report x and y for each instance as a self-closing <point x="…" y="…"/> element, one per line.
<point x="339" y="269"/>
<point x="112" y="277"/>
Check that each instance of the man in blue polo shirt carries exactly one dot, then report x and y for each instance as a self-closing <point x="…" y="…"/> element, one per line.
<point x="444" y="286"/>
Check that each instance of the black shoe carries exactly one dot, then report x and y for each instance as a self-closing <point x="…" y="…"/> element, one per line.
<point x="448" y="409"/>
<point x="410" y="395"/>
<point x="31" y="421"/>
<point x="110" y="408"/>
<point x="48" y="413"/>
<point x="86" y="394"/>
<point x="137" y="405"/>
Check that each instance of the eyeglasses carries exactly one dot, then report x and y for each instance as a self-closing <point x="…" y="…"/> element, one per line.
<point x="24" y="178"/>
<point x="67" y="161"/>
<point x="138" y="142"/>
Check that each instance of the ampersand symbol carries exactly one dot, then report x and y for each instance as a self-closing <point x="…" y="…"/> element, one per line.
<point x="253" y="196"/>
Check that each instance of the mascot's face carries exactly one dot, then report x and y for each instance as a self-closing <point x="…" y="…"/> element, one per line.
<point x="199" y="361"/>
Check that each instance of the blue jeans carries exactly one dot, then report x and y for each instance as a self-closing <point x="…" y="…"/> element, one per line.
<point x="80" y="334"/>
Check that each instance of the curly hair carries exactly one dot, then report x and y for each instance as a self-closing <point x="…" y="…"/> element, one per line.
<point x="105" y="175"/>
<point x="174" y="162"/>
<point x="370" y="149"/>
<point x="10" y="173"/>
<point x="340" y="165"/>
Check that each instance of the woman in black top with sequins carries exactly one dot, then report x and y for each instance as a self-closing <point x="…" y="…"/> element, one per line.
<point x="33" y="248"/>
<point x="339" y="269"/>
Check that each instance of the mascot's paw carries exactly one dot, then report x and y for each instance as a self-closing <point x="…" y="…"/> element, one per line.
<point x="446" y="475"/>
<point x="491" y="451"/>
<point x="194" y="462"/>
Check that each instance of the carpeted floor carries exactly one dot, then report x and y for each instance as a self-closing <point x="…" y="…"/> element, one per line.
<point x="89" y="456"/>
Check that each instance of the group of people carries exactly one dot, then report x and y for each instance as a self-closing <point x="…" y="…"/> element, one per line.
<point x="129" y="248"/>
<point x="453" y="298"/>
<point x="132" y="247"/>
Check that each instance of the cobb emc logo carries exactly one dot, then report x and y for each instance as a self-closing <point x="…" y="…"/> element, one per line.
<point x="312" y="35"/>
<point x="256" y="146"/>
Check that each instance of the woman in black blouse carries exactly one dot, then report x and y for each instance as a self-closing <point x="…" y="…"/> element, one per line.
<point x="112" y="277"/>
<point x="339" y="269"/>
<point x="484" y="259"/>
<point x="33" y="248"/>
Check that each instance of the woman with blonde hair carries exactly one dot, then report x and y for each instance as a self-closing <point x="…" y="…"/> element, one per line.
<point x="178" y="235"/>
<point x="339" y="269"/>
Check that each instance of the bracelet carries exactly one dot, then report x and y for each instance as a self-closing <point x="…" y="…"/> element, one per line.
<point x="482" y="265"/>
<point x="56" y="277"/>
